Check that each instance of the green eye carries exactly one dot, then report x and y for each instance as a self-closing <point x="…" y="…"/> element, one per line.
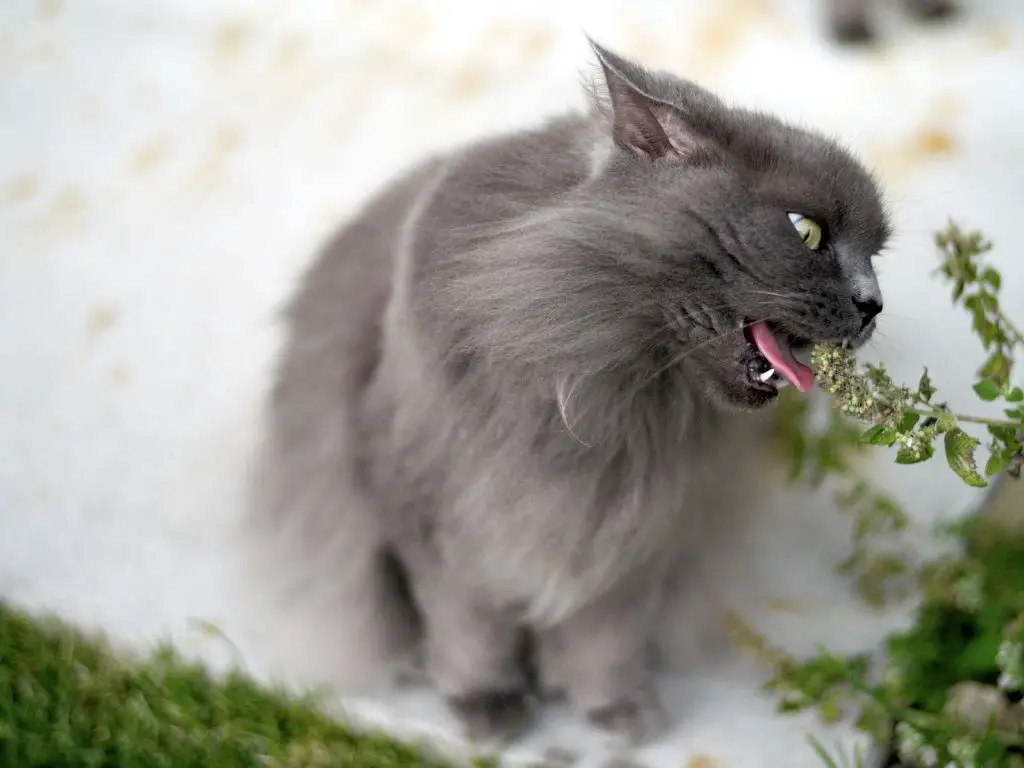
<point x="808" y="229"/>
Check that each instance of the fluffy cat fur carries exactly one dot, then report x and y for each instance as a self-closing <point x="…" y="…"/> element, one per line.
<point x="851" y="20"/>
<point x="513" y="384"/>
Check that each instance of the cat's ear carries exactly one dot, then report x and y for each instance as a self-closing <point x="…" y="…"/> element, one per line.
<point x="640" y="122"/>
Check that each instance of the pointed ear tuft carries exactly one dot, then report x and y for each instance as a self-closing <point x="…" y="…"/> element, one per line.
<point x="641" y="123"/>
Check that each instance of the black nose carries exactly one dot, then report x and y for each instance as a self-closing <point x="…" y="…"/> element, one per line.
<point x="869" y="310"/>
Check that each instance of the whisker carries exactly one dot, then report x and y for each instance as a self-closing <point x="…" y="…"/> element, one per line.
<point x="563" y="398"/>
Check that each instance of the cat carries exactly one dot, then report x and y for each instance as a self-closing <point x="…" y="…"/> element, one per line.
<point x="512" y="386"/>
<point x="850" y="20"/>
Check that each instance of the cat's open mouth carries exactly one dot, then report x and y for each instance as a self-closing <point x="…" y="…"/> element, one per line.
<point x="768" y="361"/>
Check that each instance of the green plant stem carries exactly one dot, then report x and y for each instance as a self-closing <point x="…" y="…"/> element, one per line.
<point x="1008" y="325"/>
<point x="937" y="412"/>
<point x="927" y="720"/>
<point x="1018" y="337"/>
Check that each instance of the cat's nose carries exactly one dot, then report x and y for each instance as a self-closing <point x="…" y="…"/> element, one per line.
<point x="869" y="310"/>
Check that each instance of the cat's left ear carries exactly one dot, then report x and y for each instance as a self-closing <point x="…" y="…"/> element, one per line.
<point x="642" y="123"/>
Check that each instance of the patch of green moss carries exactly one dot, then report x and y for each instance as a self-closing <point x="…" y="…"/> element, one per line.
<point x="68" y="701"/>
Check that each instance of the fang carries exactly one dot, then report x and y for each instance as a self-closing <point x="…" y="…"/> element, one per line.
<point x="766" y="376"/>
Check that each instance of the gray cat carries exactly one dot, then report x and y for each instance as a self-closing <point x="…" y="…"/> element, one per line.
<point x="850" y="20"/>
<point x="502" y="407"/>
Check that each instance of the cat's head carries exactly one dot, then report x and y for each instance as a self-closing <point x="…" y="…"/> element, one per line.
<point x="752" y="237"/>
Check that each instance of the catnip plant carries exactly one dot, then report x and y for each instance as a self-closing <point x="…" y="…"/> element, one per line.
<point x="950" y="691"/>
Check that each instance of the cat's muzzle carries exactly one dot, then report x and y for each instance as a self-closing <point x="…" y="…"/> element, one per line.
<point x="863" y="336"/>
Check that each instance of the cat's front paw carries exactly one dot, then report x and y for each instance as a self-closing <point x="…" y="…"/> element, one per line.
<point x="494" y="715"/>
<point x="411" y="671"/>
<point x="637" y="718"/>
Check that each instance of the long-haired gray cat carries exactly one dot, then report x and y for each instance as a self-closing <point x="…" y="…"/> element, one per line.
<point x="506" y="385"/>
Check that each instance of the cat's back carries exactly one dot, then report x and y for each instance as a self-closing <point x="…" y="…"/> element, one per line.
<point x="497" y="180"/>
<point x="350" y="277"/>
<point x="335" y="322"/>
<point x="332" y="349"/>
<point x="451" y="195"/>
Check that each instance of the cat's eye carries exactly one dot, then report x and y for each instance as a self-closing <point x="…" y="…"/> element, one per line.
<point x="809" y="230"/>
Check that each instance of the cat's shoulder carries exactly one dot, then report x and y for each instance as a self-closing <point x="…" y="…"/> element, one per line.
<point x="529" y="165"/>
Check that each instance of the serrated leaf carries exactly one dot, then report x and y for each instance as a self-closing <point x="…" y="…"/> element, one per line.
<point x="993" y="278"/>
<point x="909" y="420"/>
<point x="960" y="449"/>
<point x="987" y="390"/>
<point x="879" y="435"/>
<point x="925" y="388"/>
<point x="997" y="368"/>
<point x="1015" y="395"/>
<point x="903" y="456"/>
<point x="997" y="462"/>
<point x="1003" y="433"/>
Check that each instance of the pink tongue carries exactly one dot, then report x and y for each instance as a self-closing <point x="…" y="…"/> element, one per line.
<point x="781" y="357"/>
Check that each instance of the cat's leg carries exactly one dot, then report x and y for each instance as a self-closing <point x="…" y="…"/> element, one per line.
<point x="473" y="653"/>
<point x="547" y="656"/>
<point x="931" y="9"/>
<point x="850" y="20"/>
<point x="602" y="656"/>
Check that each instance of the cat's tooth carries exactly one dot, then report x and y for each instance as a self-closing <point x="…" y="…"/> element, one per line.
<point x="766" y="376"/>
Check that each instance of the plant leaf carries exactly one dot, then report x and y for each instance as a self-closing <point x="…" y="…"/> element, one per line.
<point x="879" y="435"/>
<point x="987" y="390"/>
<point x="997" y="367"/>
<point x="960" y="449"/>
<point x="997" y="462"/>
<point x="822" y="753"/>
<point x="910" y="418"/>
<point x="992" y="277"/>
<point x="925" y="388"/>
<point x="903" y="456"/>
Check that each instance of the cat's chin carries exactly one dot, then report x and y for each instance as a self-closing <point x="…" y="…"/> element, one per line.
<point x="734" y="393"/>
<point x="863" y="337"/>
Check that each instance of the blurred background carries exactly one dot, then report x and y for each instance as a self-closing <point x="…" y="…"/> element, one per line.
<point x="167" y="167"/>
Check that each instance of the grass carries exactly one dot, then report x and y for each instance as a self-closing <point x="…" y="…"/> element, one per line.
<point x="68" y="700"/>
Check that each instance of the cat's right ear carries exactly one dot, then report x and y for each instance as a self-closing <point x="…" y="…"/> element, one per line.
<point x="640" y="122"/>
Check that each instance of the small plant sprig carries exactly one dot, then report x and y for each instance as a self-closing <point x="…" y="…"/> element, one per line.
<point x="912" y="419"/>
<point x="879" y="562"/>
<point x="945" y="697"/>
<point x="976" y="287"/>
